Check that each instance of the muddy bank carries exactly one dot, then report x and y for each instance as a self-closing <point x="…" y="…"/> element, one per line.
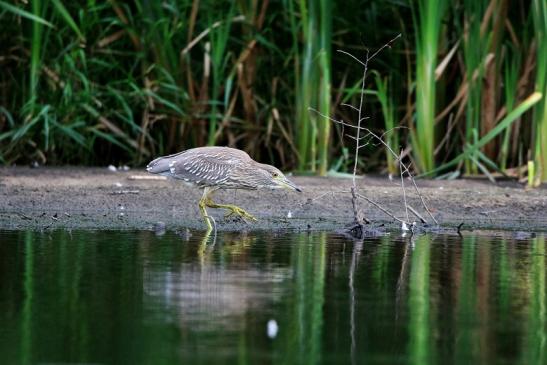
<point x="97" y="198"/>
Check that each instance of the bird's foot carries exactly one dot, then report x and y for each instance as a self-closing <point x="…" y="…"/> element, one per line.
<point x="237" y="211"/>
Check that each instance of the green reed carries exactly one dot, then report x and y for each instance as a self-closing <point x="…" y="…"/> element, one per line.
<point x="305" y="122"/>
<point x="122" y="82"/>
<point x="324" y="90"/>
<point x="427" y="17"/>
<point x="389" y="114"/>
<point x="539" y="15"/>
<point x="510" y="79"/>
<point x="314" y="86"/>
<point x="35" y="52"/>
<point x="219" y="42"/>
<point x="474" y="149"/>
<point x="475" y="51"/>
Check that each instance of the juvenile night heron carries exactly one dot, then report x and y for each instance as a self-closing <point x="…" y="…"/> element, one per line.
<point x="214" y="168"/>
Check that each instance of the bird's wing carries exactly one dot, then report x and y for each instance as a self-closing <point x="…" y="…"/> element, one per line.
<point x="207" y="168"/>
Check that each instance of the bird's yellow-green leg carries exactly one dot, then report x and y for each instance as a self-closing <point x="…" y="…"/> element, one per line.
<point x="233" y="209"/>
<point x="202" y="204"/>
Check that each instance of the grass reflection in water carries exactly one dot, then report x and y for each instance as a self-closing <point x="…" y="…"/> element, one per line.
<point x="133" y="297"/>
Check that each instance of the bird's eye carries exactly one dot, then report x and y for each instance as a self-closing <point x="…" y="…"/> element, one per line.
<point x="275" y="174"/>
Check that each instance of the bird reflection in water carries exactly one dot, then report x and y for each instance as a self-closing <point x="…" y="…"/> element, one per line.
<point x="218" y="289"/>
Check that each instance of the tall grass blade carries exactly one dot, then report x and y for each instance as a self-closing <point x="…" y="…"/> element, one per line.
<point x="427" y="17"/>
<point x="35" y="54"/>
<point x="475" y="52"/>
<point x="24" y="14"/>
<point x="126" y="77"/>
<point x="67" y="18"/>
<point x="510" y="77"/>
<point x="539" y="14"/>
<point x="314" y="84"/>
<point x="324" y="89"/>
<point x="219" y="40"/>
<point x="502" y="125"/>
<point x="306" y="98"/>
<point x="388" y="112"/>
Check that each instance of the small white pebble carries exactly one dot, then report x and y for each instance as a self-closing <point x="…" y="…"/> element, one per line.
<point x="441" y="187"/>
<point x="122" y="207"/>
<point x="289" y="214"/>
<point x="118" y="184"/>
<point x="272" y="328"/>
<point x="125" y="168"/>
<point x="112" y="168"/>
<point x="121" y="214"/>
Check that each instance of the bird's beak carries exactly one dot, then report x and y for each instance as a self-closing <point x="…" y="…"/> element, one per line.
<point x="286" y="183"/>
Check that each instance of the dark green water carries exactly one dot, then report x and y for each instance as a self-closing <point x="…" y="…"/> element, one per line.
<point x="134" y="298"/>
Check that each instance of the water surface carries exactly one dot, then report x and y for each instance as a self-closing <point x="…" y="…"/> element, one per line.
<point x="137" y="298"/>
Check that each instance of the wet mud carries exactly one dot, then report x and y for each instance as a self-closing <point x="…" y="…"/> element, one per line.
<point x="99" y="198"/>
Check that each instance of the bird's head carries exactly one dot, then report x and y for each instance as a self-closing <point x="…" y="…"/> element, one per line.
<point x="274" y="179"/>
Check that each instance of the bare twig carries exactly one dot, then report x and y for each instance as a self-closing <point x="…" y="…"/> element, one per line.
<point x="359" y="119"/>
<point x="416" y="214"/>
<point x="388" y="44"/>
<point x="362" y="133"/>
<point x="403" y="186"/>
<point x="406" y="170"/>
<point x="381" y="208"/>
<point x="349" y="106"/>
<point x="358" y="217"/>
<point x="335" y="120"/>
<point x="422" y="199"/>
<point x="352" y="56"/>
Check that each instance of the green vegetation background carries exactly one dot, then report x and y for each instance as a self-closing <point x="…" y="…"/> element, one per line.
<point x="99" y="82"/>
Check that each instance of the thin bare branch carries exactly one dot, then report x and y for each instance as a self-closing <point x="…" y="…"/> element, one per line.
<point x="360" y="112"/>
<point x="358" y="138"/>
<point x="422" y="198"/>
<point x="388" y="44"/>
<point x="422" y="219"/>
<point x="350" y="106"/>
<point x="406" y="170"/>
<point x="403" y="168"/>
<point x="334" y="120"/>
<point x="381" y="208"/>
<point x="403" y="187"/>
<point x="352" y="56"/>
<point x="363" y="145"/>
